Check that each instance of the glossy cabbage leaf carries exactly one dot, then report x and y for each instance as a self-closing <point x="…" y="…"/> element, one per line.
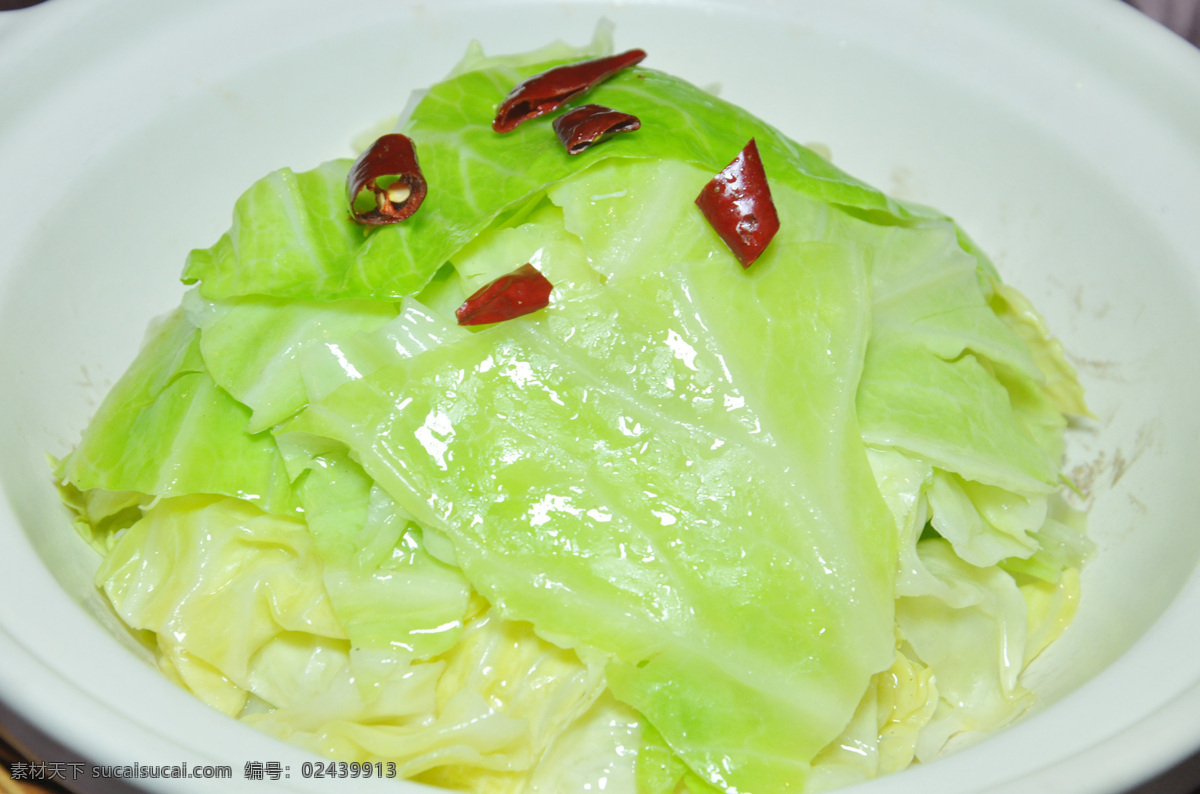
<point x="385" y="589"/>
<point x="167" y="429"/>
<point x="292" y="237"/>
<point x="234" y="600"/>
<point x="883" y="734"/>
<point x="928" y="384"/>
<point x="973" y="637"/>
<point x="251" y="346"/>
<point x="481" y="717"/>
<point x="233" y="596"/>
<point x="697" y="503"/>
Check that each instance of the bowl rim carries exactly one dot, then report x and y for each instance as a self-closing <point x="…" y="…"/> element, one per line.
<point x="54" y="708"/>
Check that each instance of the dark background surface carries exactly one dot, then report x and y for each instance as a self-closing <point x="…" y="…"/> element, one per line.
<point x="1181" y="16"/>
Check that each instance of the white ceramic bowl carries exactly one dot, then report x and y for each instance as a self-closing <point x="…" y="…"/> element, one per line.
<point x="1064" y="136"/>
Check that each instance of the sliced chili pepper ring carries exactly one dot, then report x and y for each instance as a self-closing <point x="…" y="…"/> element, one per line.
<point x="737" y="203"/>
<point x="389" y="169"/>
<point x="514" y="294"/>
<point x="548" y="91"/>
<point x="587" y="125"/>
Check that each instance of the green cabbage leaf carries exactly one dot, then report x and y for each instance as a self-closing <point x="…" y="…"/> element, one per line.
<point x="167" y="429"/>
<point x="292" y="236"/>
<point x="690" y="527"/>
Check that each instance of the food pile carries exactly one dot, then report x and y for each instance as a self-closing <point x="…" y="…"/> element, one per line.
<point x="588" y="431"/>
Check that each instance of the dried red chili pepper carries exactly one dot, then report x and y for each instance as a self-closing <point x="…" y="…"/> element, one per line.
<point x="737" y="203"/>
<point x="391" y="156"/>
<point x="547" y="91"/>
<point x="589" y="124"/>
<point x="520" y="292"/>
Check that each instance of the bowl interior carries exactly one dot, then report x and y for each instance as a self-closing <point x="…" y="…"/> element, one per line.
<point x="1064" y="139"/>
